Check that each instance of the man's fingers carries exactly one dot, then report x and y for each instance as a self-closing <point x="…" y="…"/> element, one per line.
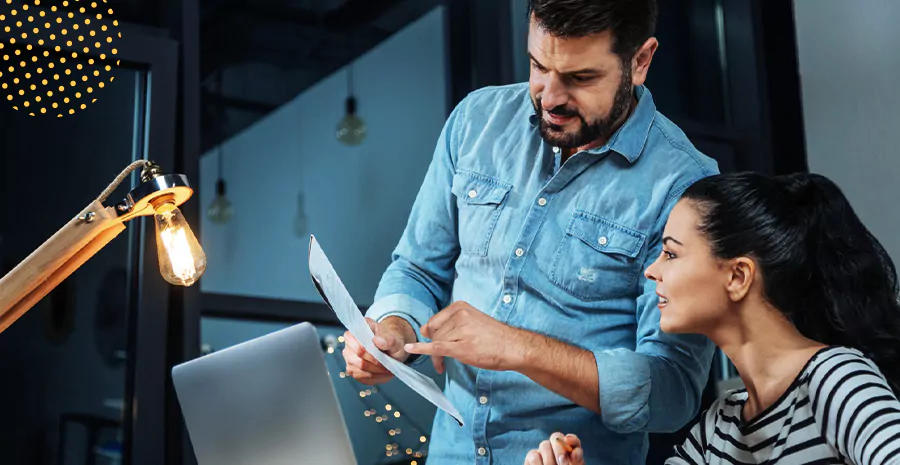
<point x="388" y="344"/>
<point x="438" y="362"/>
<point x="354" y="346"/>
<point x="366" y="377"/>
<point x="429" y="348"/>
<point x="561" y="448"/>
<point x="363" y="364"/>
<point x="547" y="453"/>
<point x="577" y="457"/>
<point x="421" y="348"/>
<point x="435" y="323"/>
<point x="350" y="340"/>
<point x="445" y="332"/>
<point x="573" y="440"/>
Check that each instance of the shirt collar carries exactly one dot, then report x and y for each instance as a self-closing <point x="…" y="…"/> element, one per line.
<point x="630" y="138"/>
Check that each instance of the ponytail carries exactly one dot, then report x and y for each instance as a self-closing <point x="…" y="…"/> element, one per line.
<point x="821" y="266"/>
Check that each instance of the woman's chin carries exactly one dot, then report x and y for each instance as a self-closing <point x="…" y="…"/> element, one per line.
<point x="669" y="324"/>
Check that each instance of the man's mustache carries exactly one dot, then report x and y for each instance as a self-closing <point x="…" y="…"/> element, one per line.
<point x="563" y="111"/>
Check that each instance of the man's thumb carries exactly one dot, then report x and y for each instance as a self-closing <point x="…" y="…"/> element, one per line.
<point x="389" y="344"/>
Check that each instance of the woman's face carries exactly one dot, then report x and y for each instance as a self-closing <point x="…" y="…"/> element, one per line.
<point x="690" y="281"/>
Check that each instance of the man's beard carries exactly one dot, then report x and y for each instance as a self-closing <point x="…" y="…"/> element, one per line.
<point x="588" y="132"/>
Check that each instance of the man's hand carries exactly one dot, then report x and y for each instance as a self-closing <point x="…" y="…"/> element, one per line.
<point x="464" y="333"/>
<point x="559" y="450"/>
<point x="390" y="337"/>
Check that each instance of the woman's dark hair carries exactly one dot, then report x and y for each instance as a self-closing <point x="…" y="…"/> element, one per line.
<point x="631" y="22"/>
<point x="820" y="265"/>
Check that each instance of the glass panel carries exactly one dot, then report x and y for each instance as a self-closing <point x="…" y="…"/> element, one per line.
<point x="288" y="175"/>
<point x="687" y="77"/>
<point x="377" y="417"/>
<point x="63" y="362"/>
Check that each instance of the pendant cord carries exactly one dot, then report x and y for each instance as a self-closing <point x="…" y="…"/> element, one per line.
<point x="350" y="81"/>
<point x="221" y="125"/>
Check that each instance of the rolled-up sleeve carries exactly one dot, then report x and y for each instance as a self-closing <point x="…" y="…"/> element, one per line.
<point x="656" y="387"/>
<point x="419" y="279"/>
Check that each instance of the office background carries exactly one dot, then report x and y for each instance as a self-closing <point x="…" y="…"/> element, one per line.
<point x="250" y="93"/>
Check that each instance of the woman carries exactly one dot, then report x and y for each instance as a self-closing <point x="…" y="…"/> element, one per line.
<point x="781" y="274"/>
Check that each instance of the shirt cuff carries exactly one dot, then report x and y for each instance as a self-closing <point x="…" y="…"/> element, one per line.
<point x="413" y="311"/>
<point x="625" y="384"/>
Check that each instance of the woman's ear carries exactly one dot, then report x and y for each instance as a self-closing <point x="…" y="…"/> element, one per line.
<point x="742" y="272"/>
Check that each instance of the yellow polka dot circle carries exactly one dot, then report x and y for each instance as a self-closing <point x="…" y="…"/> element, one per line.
<point x="55" y="55"/>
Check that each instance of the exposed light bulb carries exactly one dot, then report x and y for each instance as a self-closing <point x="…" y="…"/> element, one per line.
<point x="220" y="210"/>
<point x="351" y="130"/>
<point x="181" y="260"/>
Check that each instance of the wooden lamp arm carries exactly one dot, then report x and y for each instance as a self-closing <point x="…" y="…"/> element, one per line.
<point x="56" y="259"/>
<point x="83" y="236"/>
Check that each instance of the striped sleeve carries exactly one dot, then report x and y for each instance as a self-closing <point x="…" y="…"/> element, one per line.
<point x="692" y="451"/>
<point x="857" y="413"/>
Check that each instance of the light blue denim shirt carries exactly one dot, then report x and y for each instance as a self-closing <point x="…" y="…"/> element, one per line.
<point x="558" y="249"/>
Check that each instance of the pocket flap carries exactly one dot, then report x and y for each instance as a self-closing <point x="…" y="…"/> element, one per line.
<point x="479" y="189"/>
<point x="605" y="236"/>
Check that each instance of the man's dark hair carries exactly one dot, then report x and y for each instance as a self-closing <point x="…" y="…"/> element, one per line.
<point x="631" y="22"/>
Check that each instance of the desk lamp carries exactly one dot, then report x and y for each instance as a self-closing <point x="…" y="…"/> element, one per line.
<point x="181" y="260"/>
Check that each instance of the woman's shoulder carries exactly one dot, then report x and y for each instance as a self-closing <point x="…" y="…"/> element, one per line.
<point x="838" y="368"/>
<point x="833" y="360"/>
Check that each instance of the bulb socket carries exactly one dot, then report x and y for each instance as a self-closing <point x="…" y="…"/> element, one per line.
<point x="351" y="105"/>
<point x="161" y="202"/>
<point x="151" y="170"/>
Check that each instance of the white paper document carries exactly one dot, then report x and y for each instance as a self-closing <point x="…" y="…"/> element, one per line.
<point x="338" y="299"/>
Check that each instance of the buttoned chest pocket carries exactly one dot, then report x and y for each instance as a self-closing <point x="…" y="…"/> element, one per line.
<point x="479" y="200"/>
<point x="597" y="258"/>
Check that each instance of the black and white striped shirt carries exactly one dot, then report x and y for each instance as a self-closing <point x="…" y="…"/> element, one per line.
<point x="839" y="410"/>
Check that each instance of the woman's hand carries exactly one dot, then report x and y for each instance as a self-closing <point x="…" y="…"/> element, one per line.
<point x="559" y="450"/>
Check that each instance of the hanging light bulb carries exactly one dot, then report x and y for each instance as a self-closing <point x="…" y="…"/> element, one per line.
<point x="301" y="227"/>
<point x="220" y="210"/>
<point x="181" y="260"/>
<point x="351" y="130"/>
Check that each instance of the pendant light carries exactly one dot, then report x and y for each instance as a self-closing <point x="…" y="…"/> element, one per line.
<point x="220" y="210"/>
<point x="351" y="130"/>
<point x="301" y="224"/>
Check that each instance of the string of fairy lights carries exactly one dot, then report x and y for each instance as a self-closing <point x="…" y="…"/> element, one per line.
<point x="407" y="441"/>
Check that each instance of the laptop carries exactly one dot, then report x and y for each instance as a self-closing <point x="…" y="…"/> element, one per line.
<point x="267" y="401"/>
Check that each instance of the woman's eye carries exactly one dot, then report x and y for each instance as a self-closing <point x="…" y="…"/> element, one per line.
<point x="669" y="255"/>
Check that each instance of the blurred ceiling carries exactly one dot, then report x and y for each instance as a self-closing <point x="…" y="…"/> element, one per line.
<point x="276" y="49"/>
<point x="269" y="51"/>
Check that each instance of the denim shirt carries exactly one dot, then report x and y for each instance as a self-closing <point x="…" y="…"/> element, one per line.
<point x="558" y="249"/>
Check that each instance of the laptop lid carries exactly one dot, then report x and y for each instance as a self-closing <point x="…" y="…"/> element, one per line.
<point x="267" y="401"/>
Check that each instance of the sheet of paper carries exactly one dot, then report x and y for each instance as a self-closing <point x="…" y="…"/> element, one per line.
<point x="338" y="299"/>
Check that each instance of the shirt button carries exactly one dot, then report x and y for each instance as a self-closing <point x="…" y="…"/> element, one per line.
<point x="555" y="149"/>
<point x="520" y="252"/>
<point x="482" y="451"/>
<point x="603" y="240"/>
<point x="483" y="400"/>
<point x="542" y="201"/>
<point x="507" y="299"/>
<point x="473" y="193"/>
